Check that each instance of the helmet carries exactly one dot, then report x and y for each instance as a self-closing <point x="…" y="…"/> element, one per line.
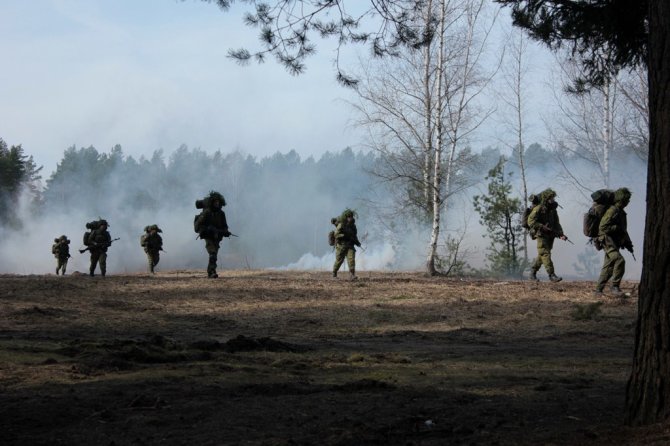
<point x="622" y="194"/>
<point x="347" y="213"/>
<point x="213" y="195"/>
<point x="548" y="194"/>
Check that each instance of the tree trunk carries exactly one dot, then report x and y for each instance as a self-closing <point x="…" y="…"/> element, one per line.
<point x="437" y="168"/>
<point x="648" y="391"/>
<point x="607" y="130"/>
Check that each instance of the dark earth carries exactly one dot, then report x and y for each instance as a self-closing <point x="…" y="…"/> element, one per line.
<point x="299" y="358"/>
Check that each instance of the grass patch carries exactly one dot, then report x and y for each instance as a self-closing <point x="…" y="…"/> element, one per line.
<point x="587" y="312"/>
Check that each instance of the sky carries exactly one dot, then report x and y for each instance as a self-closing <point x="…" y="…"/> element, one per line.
<point x="154" y="74"/>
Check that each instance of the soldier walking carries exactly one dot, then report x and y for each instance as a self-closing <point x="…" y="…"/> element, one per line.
<point x="211" y="226"/>
<point x="61" y="250"/>
<point x="346" y="239"/>
<point x="99" y="240"/>
<point x="613" y="235"/>
<point x="545" y="227"/>
<point x="152" y="243"/>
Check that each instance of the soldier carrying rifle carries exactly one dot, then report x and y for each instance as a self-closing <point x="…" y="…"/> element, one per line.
<point x="211" y="226"/>
<point x="97" y="240"/>
<point x="545" y="227"/>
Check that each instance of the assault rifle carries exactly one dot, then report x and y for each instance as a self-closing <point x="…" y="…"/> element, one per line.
<point x="547" y="230"/>
<point x="215" y="231"/>
<point x="96" y="245"/>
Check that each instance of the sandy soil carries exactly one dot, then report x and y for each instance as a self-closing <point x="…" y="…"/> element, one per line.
<point x="297" y="358"/>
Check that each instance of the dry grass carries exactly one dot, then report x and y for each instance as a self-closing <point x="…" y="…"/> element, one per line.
<point x="266" y="357"/>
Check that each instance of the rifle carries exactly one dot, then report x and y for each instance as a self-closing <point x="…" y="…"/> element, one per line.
<point x="212" y="229"/>
<point x="95" y="245"/>
<point x="547" y="230"/>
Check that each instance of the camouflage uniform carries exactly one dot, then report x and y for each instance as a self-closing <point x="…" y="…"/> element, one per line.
<point x="98" y="242"/>
<point x="613" y="235"/>
<point x="212" y="228"/>
<point x="61" y="250"/>
<point x="152" y="243"/>
<point x="346" y="238"/>
<point x="545" y="227"/>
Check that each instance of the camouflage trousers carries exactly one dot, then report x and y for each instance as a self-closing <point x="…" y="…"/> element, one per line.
<point x="153" y="257"/>
<point x="61" y="265"/>
<point x="212" y="246"/>
<point x="100" y="257"/>
<point x="614" y="267"/>
<point x="342" y="252"/>
<point x="544" y="247"/>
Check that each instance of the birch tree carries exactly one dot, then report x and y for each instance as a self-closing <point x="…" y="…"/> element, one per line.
<point x="419" y="110"/>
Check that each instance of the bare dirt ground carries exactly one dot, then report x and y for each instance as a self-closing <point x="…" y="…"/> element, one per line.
<point x="291" y="358"/>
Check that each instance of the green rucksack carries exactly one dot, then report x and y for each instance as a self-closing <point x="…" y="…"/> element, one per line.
<point x="534" y="201"/>
<point x="602" y="200"/>
<point x="331" y="234"/>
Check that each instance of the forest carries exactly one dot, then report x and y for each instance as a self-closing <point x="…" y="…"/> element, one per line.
<point x="280" y="206"/>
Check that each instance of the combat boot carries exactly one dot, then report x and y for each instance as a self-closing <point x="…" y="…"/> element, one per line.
<point x="554" y="278"/>
<point x="533" y="276"/>
<point x="352" y="275"/>
<point x="598" y="292"/>
<point x="335" y="274"/>
<point x="616" y="291"/>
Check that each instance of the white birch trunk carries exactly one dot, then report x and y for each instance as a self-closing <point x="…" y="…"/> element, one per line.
<point x="437" y="167"/>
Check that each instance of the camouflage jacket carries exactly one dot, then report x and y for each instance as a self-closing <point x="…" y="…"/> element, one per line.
<point x="61" y="250"/>
<point x="543" y="222"/>
<point x="99" y="240"/>
<point x="213" y="224"/>
<point x="346" y="234"/>
<point x="151" y="242"/>
<point x="613" y="229"/>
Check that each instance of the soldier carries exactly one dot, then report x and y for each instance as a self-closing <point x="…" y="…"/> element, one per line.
<point x="613" y="235"/>
<point x="98" y="242"/>
<point x="152" y="243"/>
<point x="211" y="226"/>
<point x="346" y="239"/>
<point x="545" y="227"/>
<point x="61" y="250"/>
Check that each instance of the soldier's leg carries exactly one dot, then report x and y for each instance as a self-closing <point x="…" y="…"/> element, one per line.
<point x="351" y="261"/>
<point x="150" y="261"/>
<point x="63" y="266"/>
<point x="618" y="268"/>
<point x="212" y="247"/>
<point x="537" y="263"/>
<point x="57" y="265"/>
<point x="103" y="263"/>
<point x="157" y="257"/>
<point x="607" y="269"/>
<point x="547" y="246"/>
<point x="340" y="253"/>
<point x="95" y="255"/>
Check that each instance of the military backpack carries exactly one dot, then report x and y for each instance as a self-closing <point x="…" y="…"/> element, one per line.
<point x="331" y="234"/>
<point x="534" y="201"/>
<point x="602" y="200"/>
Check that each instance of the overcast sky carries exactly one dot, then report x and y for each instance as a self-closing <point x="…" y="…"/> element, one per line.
<point x="154" y="74"/>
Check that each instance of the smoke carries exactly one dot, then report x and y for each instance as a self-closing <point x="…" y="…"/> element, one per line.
<point x="280" y="207"/>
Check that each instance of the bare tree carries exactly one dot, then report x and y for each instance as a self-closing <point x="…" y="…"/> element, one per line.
<point x="585" y="128"/>
<point x="420" y="108"/>
<point x="632" y="127"/>
<point x="514" y="97"/>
